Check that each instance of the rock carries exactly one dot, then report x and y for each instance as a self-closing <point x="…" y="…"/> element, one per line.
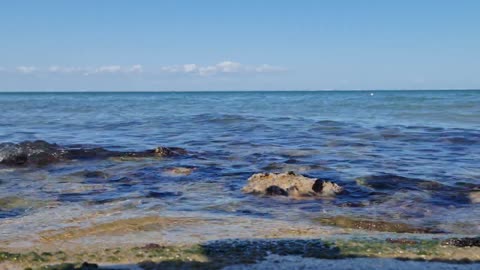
<point x="326" y="188"/>
<point x="169" y="151"/>
<point x="179" y="171"/>
<point x="276" y="190"/>
<point x="151" y="246"/>
<point x="164" y="194"/>
<point x="42" y="153"/>
<point x="462" y="242"/>
<point x="474" y="196"/>
<point x="17" y="202"/>
<point x="390" y="184"/>
<point x="373" y="225"/>
<point x="95" y="174"/>
<point x="71" y="266"/>
<point x="37" y="152"/>
<point x="290" y="184"/>
<point x="88" y="266"/>
<point x="387" y="182"/>
<point x="402" y="241"/>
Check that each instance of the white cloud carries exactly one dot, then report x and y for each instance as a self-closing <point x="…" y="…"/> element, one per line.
<point x="189" y="68"/>
<point x="229" y="66"/>
<point x="108" y="69"/>
<point x="59" y="69"/>
<point x="118" y="69"/>
<point x="135" y="69"/>
<point x="222" y="67"/>
<point x="26" y="69"/>
<point x="269" y="68"/>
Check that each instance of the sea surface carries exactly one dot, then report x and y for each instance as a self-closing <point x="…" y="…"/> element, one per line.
<point x="420" y="136"/>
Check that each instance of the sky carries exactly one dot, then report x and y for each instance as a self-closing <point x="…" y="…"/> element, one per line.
<point x="181" y="45"/>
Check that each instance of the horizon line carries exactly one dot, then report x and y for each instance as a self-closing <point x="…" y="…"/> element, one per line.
<point x="246" y="90"/>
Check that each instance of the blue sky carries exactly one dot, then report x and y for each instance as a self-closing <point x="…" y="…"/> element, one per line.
<point x="239" y="45"/>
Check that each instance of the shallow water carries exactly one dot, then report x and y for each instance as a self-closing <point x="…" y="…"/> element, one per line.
<point x="419" y="135"/>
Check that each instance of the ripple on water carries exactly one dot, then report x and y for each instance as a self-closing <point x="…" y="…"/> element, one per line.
<point x="395" y="163"/>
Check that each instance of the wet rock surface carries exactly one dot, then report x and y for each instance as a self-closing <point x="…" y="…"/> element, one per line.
<point x="462" y="242"/>
<point x="474" y="196"/>
<point x="383" y="185"/>
<point x="396" y="182"/>
<point x="290" y="184"/>
<point x="374" y="225"/>
<point x="42" y="153"/>
<point x="179" y="171"/>
<point x="402" y="241"/>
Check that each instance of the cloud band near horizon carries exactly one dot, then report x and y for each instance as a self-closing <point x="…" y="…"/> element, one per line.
<point x="224" y="67"/>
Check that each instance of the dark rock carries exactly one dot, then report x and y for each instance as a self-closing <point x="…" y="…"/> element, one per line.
<point x="42" y="153"/>
<point x="318" y="186"/>
<point x="164" y="194"/>
<point x="353" y="204"/>
<point x="462" y="242"/>
<point x="151" y="246"/>
<point x="88" y="266"/>
<point x="326" y="187"/>
<point x="36" y="152"/>
<point x="276" y="190"/>
<point x="439" y="194"/>
<point x="169" y="151"/>
<point x="71" y="266"/>
<point x="402" y="241"/>
<point x="95" y="174"/>
<point x="395" y="182"/>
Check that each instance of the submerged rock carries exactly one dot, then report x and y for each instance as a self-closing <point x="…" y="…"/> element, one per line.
<point x="395" y="182"/>
<point x="179" y="171"/>
<point x="374" y="225"/>
<point x="290" y="184"/>
<point x="42" y="153"/>
<point x="386" y="185"/>
<point x="474" y="196"/>
<point x="402" y="241"/>
<point x="462" y="242"/>
<point x="17" y="202"/>
<point x="94" y="174"/>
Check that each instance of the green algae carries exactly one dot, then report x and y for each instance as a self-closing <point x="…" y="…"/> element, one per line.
<point x="22" y="257"/>
<point x="221" y="253"/>
<point x="15" y="202"/>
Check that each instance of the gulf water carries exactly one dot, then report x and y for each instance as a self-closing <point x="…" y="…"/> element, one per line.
<point x="337" y="135"/>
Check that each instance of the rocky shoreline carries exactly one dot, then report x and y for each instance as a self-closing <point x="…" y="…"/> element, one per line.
<point x="41" y="153"/>
<point x="207" y="242"/>
<point x="221" y="253"/>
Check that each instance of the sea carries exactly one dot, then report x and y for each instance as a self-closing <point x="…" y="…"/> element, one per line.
<point x="421" y="148"/>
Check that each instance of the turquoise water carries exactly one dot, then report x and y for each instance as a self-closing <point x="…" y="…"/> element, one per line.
<point x="419" y="135"/>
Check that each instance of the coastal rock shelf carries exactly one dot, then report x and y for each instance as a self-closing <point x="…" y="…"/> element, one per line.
<point x="42" y="153"/>
<point x="290" y="184"/>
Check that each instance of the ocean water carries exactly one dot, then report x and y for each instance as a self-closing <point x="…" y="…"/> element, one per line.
<point x="337" y="135"/>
